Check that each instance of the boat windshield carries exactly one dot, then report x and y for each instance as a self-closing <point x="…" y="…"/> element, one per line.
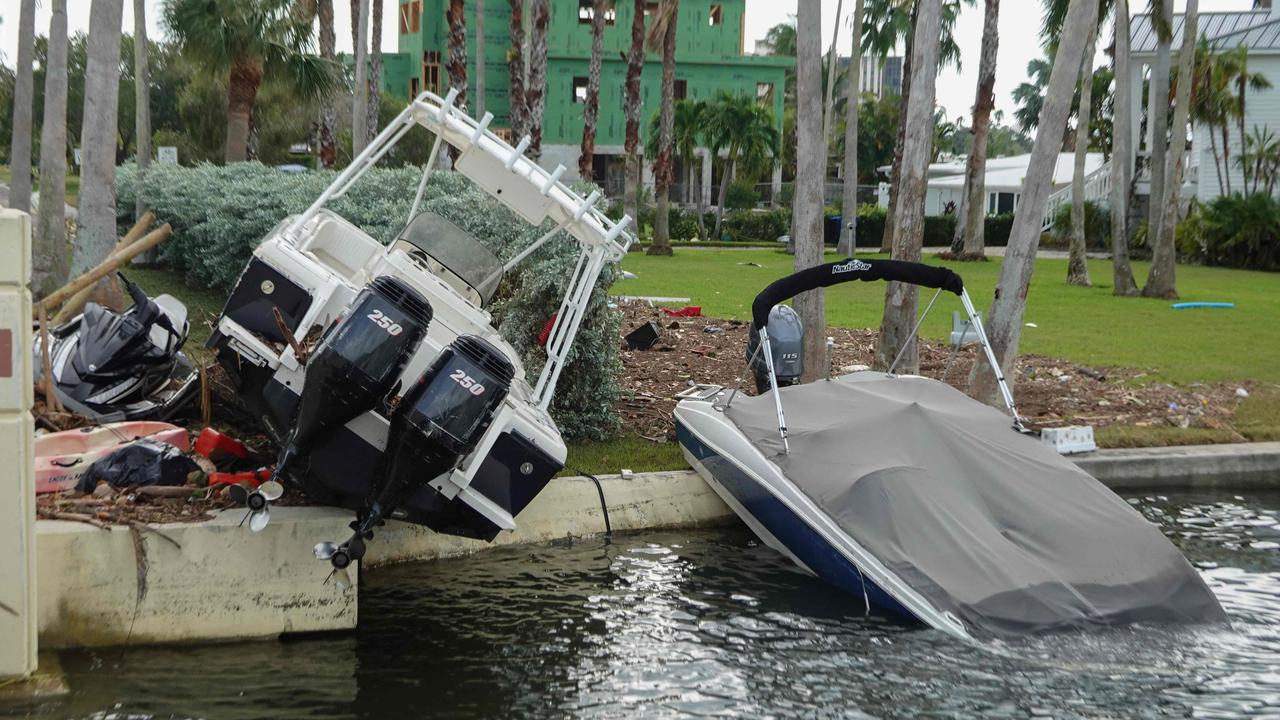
<point x="454" y="255"/>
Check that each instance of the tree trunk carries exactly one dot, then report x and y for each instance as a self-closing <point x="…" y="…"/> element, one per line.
<point x="727" y="170"/>
<point x="480" y="60"/>
<point x="1005" y="317"/>
<point x="1121" y="157"/>
<point x="848" y="243"/>
<point x="456" y="65"/>
<point x="970" y="238"/>
<point x="1158" y="119"/>
<point x="695" y="183"/>
<point x="810" y="160"/>
<point x="242" y="93"/>
<point x="1161" y="280"/>
<point x="536" y="89"/>
<point x="900" y="298"/>
<point x="375" y="69"/>
<point x="142" y="100"/>
<point x="591" y="110"/>
<point x="23" y="97"/>
<point x="661" y="244"/>
<point x="50" y="263"/>
<point x="96" y="230"/>
<point x="828" y="106"/>
<point x="886" y="242"/>
<point x="635" y="66"/>
<point x="1077" y="260"/>
<point x="360" y="106"/>
<point x="328" y="104"/>
<point x="519" y="112"/>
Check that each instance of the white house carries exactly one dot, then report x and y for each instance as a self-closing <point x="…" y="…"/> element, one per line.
<point x="1259" y="31"/>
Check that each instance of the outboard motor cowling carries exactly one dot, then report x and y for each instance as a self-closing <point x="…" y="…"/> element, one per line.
<point x="786" y="339"/>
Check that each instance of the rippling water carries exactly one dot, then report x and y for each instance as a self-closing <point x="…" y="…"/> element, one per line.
<point x="710" y="623"/>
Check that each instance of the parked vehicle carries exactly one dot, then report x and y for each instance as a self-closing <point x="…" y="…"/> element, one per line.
<point x="928" y="505"/>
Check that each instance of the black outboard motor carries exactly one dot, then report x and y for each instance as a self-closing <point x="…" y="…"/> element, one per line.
<point x="356" y="365"/>
<point x="436" y="424"/>
<point x="786" y="338"/>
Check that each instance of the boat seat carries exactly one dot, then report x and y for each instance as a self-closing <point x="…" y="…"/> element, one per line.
<point x="341" y="246"/>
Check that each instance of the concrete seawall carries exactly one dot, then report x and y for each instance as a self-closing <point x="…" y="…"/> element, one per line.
<point x="215" y="580"/>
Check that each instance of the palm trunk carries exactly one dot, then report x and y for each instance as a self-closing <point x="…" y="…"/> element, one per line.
<point x="480" y="59"/>
<point x="142" y="100"/>
<point x="886" y="242"/>
<point x="635" y="65"/>
<point x="586" y="158"/>
<point x="328" y="106"/>
<point x="1162" y="280"/>
<point x="1005" y="316"/>
<point x="375" y="70"/>
<point x="23" y="96"/>
<point x="360" y="105"/>
<point x="661" y="244"/>
<point x="810" y="159"/>
<point x="96" y="232"/>
<point x="1078" y="261"/>
<point x="896" y="340"/>
<point x="50" y="266"/>
<point x="456" y="65"/>
<point x="1226" y="155"/>
<point x="1121" y="155"/>
<point x="518" y="114"/>
<point x="695" y="184"/>
<point x="828" y="105"/>
<point x="536" y="90"/>
<point x="242" y="93"/>
<point x="970" y="231"/>
<point x="1217" y="161"/>
<point x="848" y="243"/>
<point x="1158" y="112"/>
<point x="726" y="171"/>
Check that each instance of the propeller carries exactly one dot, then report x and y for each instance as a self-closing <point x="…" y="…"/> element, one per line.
<point x="341" y="557"/>
<point x="259" y="503"/>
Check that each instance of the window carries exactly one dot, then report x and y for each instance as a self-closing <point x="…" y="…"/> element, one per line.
<point x="404" y="18"/>
<point x="415" y="15"/>
<point x="413" y="87"/>
<point x="716" y="16"/>
<point x="586" y="11"/>
<point x="1001" y="203"/>
<point x="650" y="9"/>
<point x="431" y="70"/>
<point x="764" y="92"/>
<point x="579" y="89"/>
<point x="681" y="90"/>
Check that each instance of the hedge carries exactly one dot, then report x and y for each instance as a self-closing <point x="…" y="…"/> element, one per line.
<point x="220" y="213"/>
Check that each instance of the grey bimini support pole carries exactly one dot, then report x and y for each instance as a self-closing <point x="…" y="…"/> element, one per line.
<point x="976" y="321"/>
<point x="773" y="382"/>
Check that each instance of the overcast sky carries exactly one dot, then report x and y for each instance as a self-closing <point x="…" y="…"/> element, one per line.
<point x="1019" y="39"/>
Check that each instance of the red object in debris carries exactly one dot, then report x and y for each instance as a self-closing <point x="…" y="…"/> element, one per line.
<point x="687" y="311"/>
<point x="252" y="479"/>
<point x="213" y="445"/>
<point x="546" y="330"/>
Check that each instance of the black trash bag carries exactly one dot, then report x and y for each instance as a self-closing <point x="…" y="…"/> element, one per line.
<point x="142" y="462"/>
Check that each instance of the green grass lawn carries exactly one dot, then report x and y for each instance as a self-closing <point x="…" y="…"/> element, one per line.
<point x="1086" y="325"/>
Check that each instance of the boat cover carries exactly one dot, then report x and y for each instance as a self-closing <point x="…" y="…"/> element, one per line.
<point x="984" y="522"/>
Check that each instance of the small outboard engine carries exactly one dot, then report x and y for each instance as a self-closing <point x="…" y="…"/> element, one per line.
<point x="356" y="365"/>
<point x="436" y="424"/>
<point x="786" y="338"/>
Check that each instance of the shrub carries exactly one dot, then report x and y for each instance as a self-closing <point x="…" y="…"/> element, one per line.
<point x="1242" y="232"/>
<point x="682" y="225"/>
<point x="939" y="230"/>
<point x="871" y="222"/>
<point x="996" y="230"/>
<point x="219" y="214"/>
<point x="758" y="225"/>
<point x="741" y="195"/>
<point x="1097" y="224"/>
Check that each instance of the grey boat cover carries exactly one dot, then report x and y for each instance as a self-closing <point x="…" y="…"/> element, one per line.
<point x="984" y="522"/>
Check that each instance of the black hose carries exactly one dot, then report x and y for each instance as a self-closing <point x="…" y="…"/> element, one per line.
<point x="604" y="508"/>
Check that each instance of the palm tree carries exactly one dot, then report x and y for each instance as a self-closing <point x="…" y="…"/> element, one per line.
<point x="247" y="40"/>
<point x="1121" y="158"/>
<point x="631" y="89"/>
<point x="518" y="113"/>
<point x="1029" y="96"/>
<point x="688" y="128"/>
<point x="848" y="242"/>
<point x="1158" y="110"/>
<point x="1005" y="316"/>
<point x="481" y="60"/>
<point x="1077" y="261"/>
<point x="1161" y="279"/>
<point x="49" y="246"/>
<point x="828" y="127"/>
<point x="374" y="101"/>
<point x="536" y="87"/>
<point x="23" y="94"/>
<point x="897" y="344"/>
<point x="746" y="133"/>
<point x="586" y="158"/>
<point x="810" y="160"/>
<point x="1244" y="81"/>
<point x="662" y="35"/>
<point x="360" y="57"/>
<point x="142" y="99"/>
<point x="969" y="240"/>
<point x="328" y="103"/>
<point x="96" y="232"/>
<point x="456" y="65"/>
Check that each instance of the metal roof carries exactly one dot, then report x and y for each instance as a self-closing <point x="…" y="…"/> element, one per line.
<point x="1258" y="30"/>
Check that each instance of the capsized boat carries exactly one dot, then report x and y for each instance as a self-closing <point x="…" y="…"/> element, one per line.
<point x="926" y="504"/>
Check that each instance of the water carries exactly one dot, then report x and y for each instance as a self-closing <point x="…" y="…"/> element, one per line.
<point x="709" y="623"/>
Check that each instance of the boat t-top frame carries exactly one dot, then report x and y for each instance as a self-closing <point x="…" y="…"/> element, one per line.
<point x="868" y="270"/>
<point x="517" y="182"/>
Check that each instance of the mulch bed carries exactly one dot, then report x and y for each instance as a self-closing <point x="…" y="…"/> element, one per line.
<point x="1050" y="392"/>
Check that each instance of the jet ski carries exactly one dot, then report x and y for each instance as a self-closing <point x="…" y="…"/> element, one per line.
<point x="925" y="504"/>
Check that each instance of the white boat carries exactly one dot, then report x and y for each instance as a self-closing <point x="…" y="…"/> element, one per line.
<point x="925" y="504"/>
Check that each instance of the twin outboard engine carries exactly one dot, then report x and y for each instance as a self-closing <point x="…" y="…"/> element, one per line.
<point x="435" y="425"/>
<point x="786" y="339"/>
<point x="353" y="370"/>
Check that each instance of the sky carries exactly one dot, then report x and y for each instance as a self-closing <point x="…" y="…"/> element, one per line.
<point x="1019" y="37"/>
